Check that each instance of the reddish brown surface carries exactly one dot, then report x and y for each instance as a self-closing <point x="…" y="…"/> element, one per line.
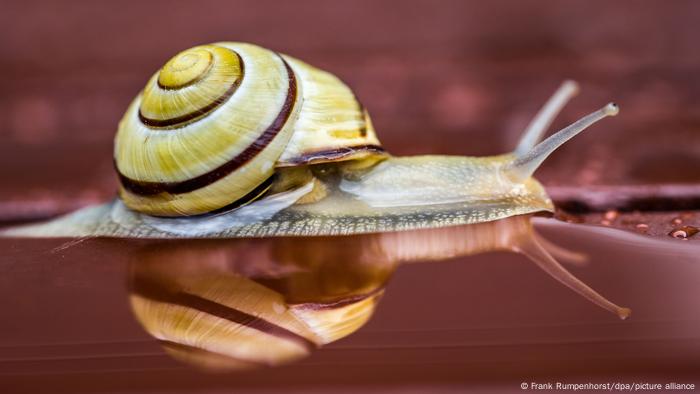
<point x="449" y="77"/>
<point x="479" y="323"/>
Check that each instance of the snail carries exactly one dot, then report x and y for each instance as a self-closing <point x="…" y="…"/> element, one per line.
<point x="234" y="304"/>
<point x="231" y="140"/>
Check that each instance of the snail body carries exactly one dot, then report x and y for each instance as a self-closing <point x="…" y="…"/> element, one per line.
<point x="234" y="140"/>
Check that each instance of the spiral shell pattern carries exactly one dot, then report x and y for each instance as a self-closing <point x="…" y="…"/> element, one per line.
<point x="211" y="126"/>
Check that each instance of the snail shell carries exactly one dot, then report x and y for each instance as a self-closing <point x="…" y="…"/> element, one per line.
<point x="211" y="126"/>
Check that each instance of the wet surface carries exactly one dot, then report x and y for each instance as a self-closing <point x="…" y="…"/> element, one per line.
<point x="77" y="316"/>
<point x="654" y="224"/>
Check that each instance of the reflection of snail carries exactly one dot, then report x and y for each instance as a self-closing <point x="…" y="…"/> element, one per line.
<point x="229" y="124"/>
<point x="233" y="304"/>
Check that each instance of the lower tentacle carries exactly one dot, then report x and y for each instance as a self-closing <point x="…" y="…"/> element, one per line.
<point x="565" y="255"/>
<point x="535" y="251"/>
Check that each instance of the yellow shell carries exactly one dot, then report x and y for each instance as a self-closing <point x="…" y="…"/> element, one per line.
<point x="211" y="126"/>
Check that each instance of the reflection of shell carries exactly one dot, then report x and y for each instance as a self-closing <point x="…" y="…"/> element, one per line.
<point x="207" y="315"/>
<point x="228" y="315"/>
<point x="210" y="127"/>
<point x="334" y="321"/>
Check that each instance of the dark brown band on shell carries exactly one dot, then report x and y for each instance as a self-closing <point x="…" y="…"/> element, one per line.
<point x="153" y="290"/>
<point x="143" y="188"/>
<point x="332" y="154"/>
<point x="198" y="113"/>
<point x="245" y="200"/>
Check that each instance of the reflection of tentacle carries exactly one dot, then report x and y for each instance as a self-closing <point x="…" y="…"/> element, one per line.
<point x="567" y="256"/>
<point x="70" y="244"/>
<point x="530" y="247"/>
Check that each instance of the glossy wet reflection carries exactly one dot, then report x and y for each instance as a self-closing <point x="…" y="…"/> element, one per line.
<point x="244" y="303"/>
<point x="241" y="303"/>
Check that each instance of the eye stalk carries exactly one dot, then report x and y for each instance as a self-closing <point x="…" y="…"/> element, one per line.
<point x="541" y="122"/>
<point x="527" y="157"/>
<point x="611" y="109"/>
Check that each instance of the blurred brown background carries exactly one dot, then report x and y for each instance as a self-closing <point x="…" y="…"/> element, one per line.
<point x="456" y="77"/>
<point x="453" y="77"/>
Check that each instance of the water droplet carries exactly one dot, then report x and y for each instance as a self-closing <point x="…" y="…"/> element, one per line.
<point x="610" y="215"/>
<point x="676" y="220"/>
<point x="684" y="232"/>
<point x="642" y="227"/>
